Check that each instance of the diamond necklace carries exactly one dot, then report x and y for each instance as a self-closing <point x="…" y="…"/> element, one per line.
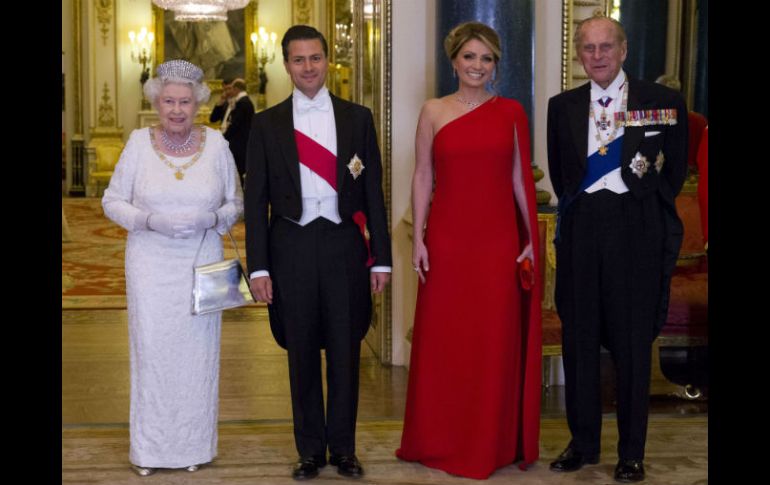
<point x="177" y="148"/>
<point x="471" y="104"/>
<point x="179" y="174"/>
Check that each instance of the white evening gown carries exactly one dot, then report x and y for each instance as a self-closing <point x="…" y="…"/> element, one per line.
<point x="174" y="355"/>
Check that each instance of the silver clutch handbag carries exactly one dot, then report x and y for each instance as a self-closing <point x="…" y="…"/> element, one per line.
<point x="221" y="285"/>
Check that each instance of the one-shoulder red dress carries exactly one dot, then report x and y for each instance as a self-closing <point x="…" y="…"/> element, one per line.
<point x="473" y="399"/>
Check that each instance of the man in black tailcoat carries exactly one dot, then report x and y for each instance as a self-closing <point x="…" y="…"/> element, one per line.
<point x="617" y="154"/>
<point x="313" y="192"/>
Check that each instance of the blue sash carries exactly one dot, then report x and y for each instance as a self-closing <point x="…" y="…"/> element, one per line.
<point x="601" y="165"/>
<point x="597" y="167"/>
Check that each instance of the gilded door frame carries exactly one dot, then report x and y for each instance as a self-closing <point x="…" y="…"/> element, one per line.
<point x="379" y="18"/>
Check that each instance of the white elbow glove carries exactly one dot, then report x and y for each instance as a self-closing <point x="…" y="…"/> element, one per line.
<point x="170" y="225"/>
<point x="205" y="220"/>
<point x="181" y="226"/>
<point x="174" y="226"/>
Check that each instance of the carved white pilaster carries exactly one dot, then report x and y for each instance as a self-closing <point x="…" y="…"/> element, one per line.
<point x="102" y="70"/>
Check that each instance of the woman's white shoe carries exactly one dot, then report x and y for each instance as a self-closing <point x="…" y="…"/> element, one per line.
<point x="143" y="471"/>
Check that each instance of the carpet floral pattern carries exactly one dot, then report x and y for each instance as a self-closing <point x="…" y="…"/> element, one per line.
<point x="93" y="273"/>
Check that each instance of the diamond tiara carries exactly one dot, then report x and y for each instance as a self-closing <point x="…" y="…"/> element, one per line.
<point x="180" y="69"/>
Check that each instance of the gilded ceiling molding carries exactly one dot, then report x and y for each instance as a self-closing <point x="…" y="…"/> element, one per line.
<point x="302" y="11"/>
<point x="106" y="111"/>
<point x="104" y="15"/>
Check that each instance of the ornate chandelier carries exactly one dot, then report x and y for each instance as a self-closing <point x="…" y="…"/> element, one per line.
<point x="200" y="10"/>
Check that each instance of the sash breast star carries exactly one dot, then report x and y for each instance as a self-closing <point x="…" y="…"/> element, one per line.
<point x="355" y="166"/>
<point x="639" y="165"/>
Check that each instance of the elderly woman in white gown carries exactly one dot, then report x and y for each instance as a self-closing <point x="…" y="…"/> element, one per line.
<point x="174" y="189"/>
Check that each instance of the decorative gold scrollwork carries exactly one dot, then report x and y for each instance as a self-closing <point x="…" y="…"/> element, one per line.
<point x="106" y="110"/>
<point x="104" y="16"/>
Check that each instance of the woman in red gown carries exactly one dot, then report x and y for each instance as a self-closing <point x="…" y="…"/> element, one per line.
<point x="473" y="400"/>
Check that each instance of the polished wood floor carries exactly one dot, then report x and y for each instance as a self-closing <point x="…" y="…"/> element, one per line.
<point x="254" y="379"/>
<point x="255" y="436"/>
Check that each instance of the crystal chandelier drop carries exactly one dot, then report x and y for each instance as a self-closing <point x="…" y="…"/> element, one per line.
<point x="200" y="10"/>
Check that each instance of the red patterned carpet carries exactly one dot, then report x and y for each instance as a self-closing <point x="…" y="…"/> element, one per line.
<point x="92" y="260"/>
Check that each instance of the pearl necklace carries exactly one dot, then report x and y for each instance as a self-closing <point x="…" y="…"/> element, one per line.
<point x="177" y="148"/>
<point x="471" y="104"/>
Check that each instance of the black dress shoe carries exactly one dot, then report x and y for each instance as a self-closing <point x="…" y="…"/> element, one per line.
<point x="629" y="471"/>
<point x="571" y="460"/>
<point x="347" y="465"/>
<point x="307" y="467"/>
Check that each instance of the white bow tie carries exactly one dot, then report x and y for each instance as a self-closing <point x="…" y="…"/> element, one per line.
<point x="320" y="103"/>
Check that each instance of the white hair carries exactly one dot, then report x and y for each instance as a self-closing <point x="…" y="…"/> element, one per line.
<point x="154" y="86"/>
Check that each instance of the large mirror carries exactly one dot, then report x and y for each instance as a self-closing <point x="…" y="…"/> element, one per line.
<point x="357" y="32"/>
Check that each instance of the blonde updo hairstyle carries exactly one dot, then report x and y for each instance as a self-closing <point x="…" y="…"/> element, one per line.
<point x="466" y="31"/>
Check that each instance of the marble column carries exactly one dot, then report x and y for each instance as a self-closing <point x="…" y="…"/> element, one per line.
<point x="514" y="22"/>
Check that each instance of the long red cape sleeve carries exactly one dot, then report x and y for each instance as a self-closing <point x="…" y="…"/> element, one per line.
<point x="530" y="309"/>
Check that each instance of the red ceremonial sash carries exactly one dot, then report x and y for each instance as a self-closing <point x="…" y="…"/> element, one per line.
<point x="324" y="163"/>
<point x="317" y="158"/>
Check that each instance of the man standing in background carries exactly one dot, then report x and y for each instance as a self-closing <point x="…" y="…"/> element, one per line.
<point x="235" y="110"/>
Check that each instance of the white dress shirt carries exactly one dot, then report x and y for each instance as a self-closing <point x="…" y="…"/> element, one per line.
<point x="611" y="181"/>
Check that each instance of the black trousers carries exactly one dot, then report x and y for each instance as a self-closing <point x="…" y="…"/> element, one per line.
<point x="607" y="290"/>
<point x="321" y="295"/>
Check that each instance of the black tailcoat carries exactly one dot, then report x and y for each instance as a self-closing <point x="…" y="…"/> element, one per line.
<point x="273" y="181"/>
<point x="568" y="154"/>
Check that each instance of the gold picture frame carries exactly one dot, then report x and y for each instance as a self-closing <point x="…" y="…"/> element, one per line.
<point x="221" y="49"/>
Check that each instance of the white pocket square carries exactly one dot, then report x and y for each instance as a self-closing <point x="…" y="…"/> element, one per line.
<point x="648" y="134"/>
